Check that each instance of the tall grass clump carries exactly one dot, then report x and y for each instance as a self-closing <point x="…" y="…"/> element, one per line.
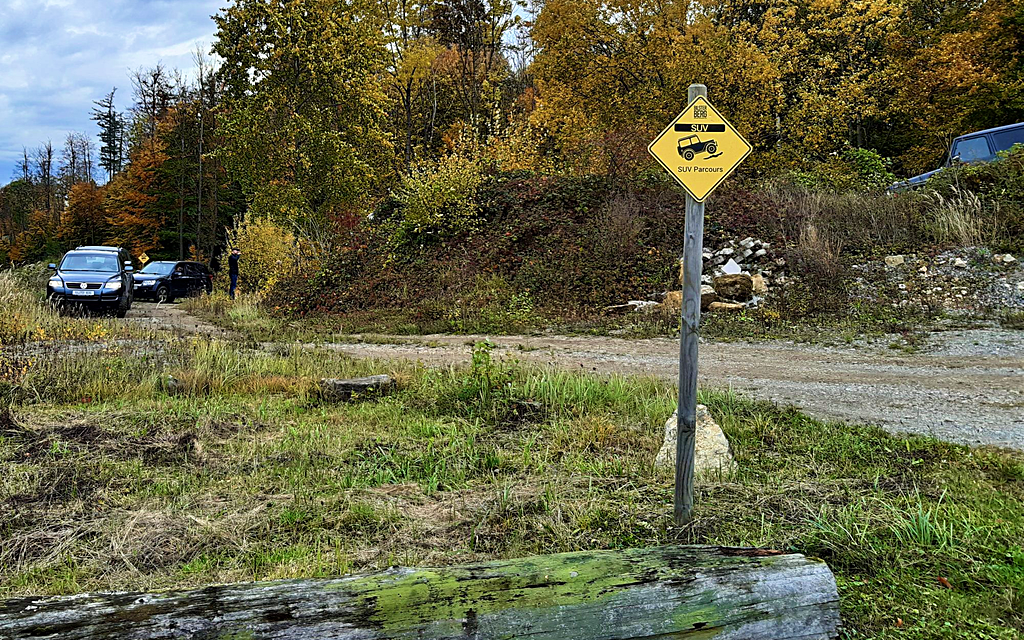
<point x="955" y="218"/>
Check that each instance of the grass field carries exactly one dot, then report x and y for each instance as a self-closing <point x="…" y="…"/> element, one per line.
<point x="144" y="462"/>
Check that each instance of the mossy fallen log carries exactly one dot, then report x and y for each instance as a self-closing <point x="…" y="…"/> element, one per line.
<point x="661" y="592"/>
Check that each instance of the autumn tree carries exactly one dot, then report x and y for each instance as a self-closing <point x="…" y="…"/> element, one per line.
<point x="411" y="74"/>
<point x="136" y="200"/>
<point x="303" y="115"/>
<point x="610" y="74"/>
<point x="84" y="221"/>
<point x="474" y="31"/>
<point x="836" y="71"/>
<point x="961" y="69"/>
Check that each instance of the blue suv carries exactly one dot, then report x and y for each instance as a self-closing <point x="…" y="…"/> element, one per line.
<point x="980" y="146"/>
<point x="93" y="278"/>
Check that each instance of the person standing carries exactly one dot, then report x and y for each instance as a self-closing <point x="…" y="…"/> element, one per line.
<point x="233" y="269"/>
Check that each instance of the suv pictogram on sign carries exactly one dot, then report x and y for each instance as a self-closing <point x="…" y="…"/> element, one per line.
<point x="689" y="146"/>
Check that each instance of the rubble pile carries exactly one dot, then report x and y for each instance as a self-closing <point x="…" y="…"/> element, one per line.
<point x="973" y="280"/>
<point x="736" y="276"/>
<point x="739" y="274"/>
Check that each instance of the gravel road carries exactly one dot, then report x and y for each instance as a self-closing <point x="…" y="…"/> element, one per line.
<point x="967" y="386"/>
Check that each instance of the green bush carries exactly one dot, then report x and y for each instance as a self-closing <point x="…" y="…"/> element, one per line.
<point x="855" y="169"/>
<point x="438" y="199"/>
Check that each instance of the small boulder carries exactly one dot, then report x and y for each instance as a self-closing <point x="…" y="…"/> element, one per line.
<point x="725" y="306"/>
<point x="758" y="285"/>
<point x="711" y="450"/>
<point x="735" y="286"/>
<point x="707" y="297"/>
<point x="894" y="261"/>
<point x="336" y="390"/>
<point x="732" y="267"/>
<point x="959" y="263"/>
<point x="1009" y="259"/>
<point x="673" y="302"/>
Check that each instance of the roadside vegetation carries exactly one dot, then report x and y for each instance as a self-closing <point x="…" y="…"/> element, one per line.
<point x="181" y="462"/>
<point x="543" y="254"/>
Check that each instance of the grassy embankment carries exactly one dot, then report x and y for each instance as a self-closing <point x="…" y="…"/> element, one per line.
<point x="112" y="479"/>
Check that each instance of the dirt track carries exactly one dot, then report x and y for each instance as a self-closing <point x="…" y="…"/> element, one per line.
<point x="968" y="386"/>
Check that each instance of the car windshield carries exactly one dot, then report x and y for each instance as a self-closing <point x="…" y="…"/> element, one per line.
<point x="105" y="262"/>
<point x="158" y="268"/>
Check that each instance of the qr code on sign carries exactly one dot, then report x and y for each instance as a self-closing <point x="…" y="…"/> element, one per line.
<point x="700" y="111"/>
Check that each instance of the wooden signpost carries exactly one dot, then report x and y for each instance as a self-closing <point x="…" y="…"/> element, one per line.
<point x="699" y="148"/>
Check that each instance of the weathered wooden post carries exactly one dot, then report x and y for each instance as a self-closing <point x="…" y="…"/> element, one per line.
<point x="686" y="409"/>
<point x="706" y="150"/>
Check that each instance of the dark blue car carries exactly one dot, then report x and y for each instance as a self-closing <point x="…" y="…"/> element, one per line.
<point x="93" y="279"/>
<point x="980" y="146"/>
<point x="163" y="281"/>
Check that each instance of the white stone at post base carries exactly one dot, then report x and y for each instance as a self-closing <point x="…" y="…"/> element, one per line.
<point x="712" y="452"/>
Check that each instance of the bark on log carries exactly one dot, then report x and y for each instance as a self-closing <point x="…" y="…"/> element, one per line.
<point x="662" y="592"/>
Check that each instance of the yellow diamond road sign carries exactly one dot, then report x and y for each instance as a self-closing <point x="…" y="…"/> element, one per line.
<point x="699" y="148"/>
<point x="143" y="258"/>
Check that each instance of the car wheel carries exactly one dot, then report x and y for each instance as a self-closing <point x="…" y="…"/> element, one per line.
<point x="688" y="154"/>
<point x="711" y="149"/>
<point x="163" y="295"/>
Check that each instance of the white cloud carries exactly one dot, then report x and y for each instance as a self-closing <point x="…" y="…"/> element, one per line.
<point x="58" y="56"/>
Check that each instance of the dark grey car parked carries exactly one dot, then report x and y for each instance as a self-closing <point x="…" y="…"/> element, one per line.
<point x="93" y="279"/>
<point x="164" y="280"/>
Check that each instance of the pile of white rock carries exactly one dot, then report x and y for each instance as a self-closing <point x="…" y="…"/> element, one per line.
<point x="736" y="276"/>
<point x="749" y="254"/>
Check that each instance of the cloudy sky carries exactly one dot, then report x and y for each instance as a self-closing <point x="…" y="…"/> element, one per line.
<point x="58" y="56"/>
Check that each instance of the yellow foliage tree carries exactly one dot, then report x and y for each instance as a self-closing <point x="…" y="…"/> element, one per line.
<point x="611" y="74"/>
<point x="269" y="252"/>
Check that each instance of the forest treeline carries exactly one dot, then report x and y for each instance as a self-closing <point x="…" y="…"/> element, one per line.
<point x="311" y="114"/>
